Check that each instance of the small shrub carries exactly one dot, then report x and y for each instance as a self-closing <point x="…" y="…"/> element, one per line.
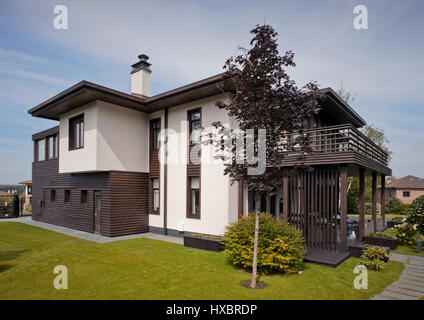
<point x="398" y="219"/>
<point x="368" y="208"/>
<point x="280" y="246"/>
<point x="374" y="257"/>
<point x="416" y="214"/>
<point x="395" y="206"/>
<point x="380" y="235"/>
<point x="406" y="234"/>
<point x="203" y="236"/>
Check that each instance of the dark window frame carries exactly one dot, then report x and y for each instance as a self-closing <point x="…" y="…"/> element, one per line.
<point x="55" y="147"/>
<point x="152" y="210"/>
<point x="67" y="196"/>
<point x="189" y="198"/>
<point x="37" y="151"/>
<point x="406" y="193"/>
<point x="52" y="195"/>
<point x="191" y="122"/>
<point x="78" y="119"/>
<point x="84" y="196"/>
<point x="155" y="126"/>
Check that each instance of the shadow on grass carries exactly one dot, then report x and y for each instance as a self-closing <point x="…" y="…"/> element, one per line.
<point x="10" y="255"/>
<point x="4" y="267"/>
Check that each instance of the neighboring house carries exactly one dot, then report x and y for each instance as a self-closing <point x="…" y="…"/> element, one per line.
<point x="98" y="170"/>
<point x="6" y="194"/>
<point x="28" y="194"/>
<point x="407" y="189"/>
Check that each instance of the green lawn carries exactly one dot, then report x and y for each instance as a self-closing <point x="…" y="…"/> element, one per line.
<point x="152" y="269"/>
<point x="388" y="216"/>
<point x="402" y="249"/>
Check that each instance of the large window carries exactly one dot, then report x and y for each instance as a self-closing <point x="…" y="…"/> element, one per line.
<point x="194" y="119"/>
<point x="155" y="195"/>
<point x="194" y="198"/>
<point x="76" y="132"/>
<point x="52" y="147"/>
<point x="41" y="150"/>
<point x="155" y="125"/>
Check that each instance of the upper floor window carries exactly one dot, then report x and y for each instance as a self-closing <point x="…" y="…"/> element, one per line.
<point x="155" y="130"/>
<point x="406" y="194"/>
<point x="52" y="147"/>
<point x="194" y="119"/>
<point x="41" y="150"/>
<point x="29" y="189"/>
<point x="76" y="132"/>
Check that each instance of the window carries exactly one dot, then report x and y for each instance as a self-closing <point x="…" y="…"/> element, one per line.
<point x="67" y="195"/>
<point x="155" y="195"/>
<point x="194" y="198"/>
<point x="76" y="132"/>
<point x="194" y="126"/>
<point x="406" y="194"/>
<point x="83" y="196"/>
<point x="52" y="195"/>
<point x="41" y="149"/>
<point x="52" y="147"/>
<point x="155" y="125"/>
<point x="29" y="189"/>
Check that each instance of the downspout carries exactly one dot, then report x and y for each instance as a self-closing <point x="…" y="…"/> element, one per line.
<point x="165" y="177"/>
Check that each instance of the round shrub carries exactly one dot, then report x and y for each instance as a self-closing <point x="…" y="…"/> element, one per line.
<point x="374" y="257"/>
<point x="395" y="206"/>
<point x="280" y="246"/>
<point x="416" y="214"/>
<point x="406" y="234"/>
<point x="368" y="208"/>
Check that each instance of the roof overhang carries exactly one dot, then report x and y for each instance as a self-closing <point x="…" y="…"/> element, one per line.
<point x="335" y="107"/>
<point x="85" y="92"/>
<point x="81" y="94"/>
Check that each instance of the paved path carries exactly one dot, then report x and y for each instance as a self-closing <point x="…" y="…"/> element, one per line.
<point x="92" y="236"/>
<point x="410" y="285"/>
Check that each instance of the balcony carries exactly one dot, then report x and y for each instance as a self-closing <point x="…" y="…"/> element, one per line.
<point x="342" y="144"/>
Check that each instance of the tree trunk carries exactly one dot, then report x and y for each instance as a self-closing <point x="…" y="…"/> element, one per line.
<point x="255" y="244"/>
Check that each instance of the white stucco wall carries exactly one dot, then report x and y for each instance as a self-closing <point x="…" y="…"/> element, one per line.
<point x="115" y="138"/>
<point x="218" y="198"/>
<point x="84" y="159"/>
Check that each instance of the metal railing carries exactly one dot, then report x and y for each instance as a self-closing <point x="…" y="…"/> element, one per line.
<point x="343" y="138"/>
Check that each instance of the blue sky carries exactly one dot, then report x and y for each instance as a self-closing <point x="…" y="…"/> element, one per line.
<point x="190" y="40"/>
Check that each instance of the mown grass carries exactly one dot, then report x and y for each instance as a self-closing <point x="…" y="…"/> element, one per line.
<point x="388" y="216"/>
<point x="152" y="269"/>
<point x="402" y="249"/>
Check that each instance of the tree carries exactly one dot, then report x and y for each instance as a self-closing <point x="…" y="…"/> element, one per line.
<point x="377" y="136"/>
<point x="265" y="98"/>
<point x="345" y="94"/>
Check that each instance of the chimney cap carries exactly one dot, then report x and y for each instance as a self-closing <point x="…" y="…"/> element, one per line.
<point x="142" y="64"/>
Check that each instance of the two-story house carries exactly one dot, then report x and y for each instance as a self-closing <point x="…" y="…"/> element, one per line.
<point x="99" y="170"/>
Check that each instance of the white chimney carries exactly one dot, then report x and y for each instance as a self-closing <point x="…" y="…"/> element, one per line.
<point x="140" y="77"/>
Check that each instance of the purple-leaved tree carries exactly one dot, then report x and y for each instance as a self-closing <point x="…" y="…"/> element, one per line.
<point x="265" y="97"/>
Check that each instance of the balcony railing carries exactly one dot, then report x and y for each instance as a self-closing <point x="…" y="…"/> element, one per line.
<point x="344" y="138"/>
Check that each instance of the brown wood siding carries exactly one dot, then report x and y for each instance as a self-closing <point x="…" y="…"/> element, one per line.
<point x="124" y="199"/>
<point x="73" y="214"/>
<point x="129" y="199"/>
